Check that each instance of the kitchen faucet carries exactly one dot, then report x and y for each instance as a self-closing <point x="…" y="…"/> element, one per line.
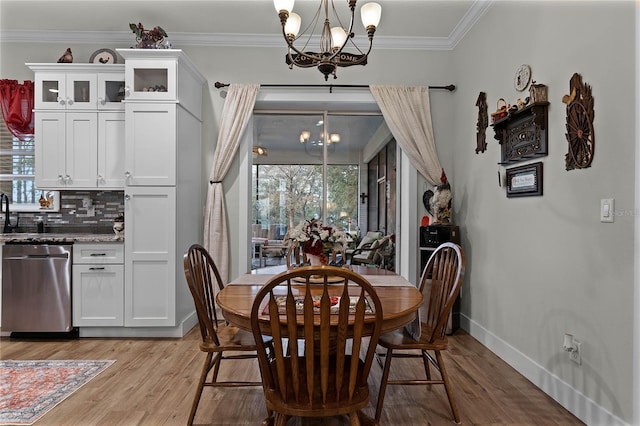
<point x="7" y="225"/>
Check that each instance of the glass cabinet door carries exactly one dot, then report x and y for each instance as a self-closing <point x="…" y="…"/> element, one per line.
<point x="111" y="91"/>
<point x="65" y="91"/>
<point x="81" y="91"/>
<point x="151" y="79"/>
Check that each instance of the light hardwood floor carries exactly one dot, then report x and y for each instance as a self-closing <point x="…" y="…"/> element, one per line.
<point x="153" y="382"/>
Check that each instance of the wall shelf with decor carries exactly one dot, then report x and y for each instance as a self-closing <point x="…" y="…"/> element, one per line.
<point x="523" y="133"/>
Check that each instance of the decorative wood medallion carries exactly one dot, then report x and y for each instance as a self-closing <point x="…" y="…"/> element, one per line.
<point x="580" y="134"/>
<point x="483" y="122"/>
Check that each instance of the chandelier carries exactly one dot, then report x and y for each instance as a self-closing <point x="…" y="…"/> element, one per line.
<point x="332" y="40"/>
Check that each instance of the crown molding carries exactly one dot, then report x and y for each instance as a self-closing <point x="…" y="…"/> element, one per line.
<point x="475" y="12"/>
<point x="125" y="39"/>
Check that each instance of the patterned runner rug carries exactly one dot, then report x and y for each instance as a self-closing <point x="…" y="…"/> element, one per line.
<point x="28" y="389"/>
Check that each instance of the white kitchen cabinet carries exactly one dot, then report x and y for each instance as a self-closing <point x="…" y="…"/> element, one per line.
<point x="163" y="187"/>
<point x="150" y="159"/>
<point x="66" y="149"/>
<point x="150" y="240"/>
<point x="63" y="90"/>
<point x="79" y="150"/>
<point x="78" y="86"/>
<point x="111" y="150"/>
<point x="79" y="126"/>
<point x="162" y="75"/>
<point x="98" y="285"/>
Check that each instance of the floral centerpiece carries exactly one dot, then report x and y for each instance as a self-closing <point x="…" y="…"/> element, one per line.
<point x="318" y="240"/>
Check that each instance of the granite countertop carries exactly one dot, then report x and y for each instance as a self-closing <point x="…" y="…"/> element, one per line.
<point x="27" y="237"/>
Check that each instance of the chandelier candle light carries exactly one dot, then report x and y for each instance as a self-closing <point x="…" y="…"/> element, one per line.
<point x="332" y="40"/>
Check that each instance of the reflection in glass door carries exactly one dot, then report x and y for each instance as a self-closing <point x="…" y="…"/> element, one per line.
<point x="307" y="166"/>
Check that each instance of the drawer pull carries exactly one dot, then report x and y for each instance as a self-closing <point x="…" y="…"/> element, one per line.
<point x="96" y="268"/>
<point x="97" y="254"/>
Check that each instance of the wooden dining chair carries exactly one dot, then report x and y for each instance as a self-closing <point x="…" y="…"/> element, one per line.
<point x="338" y="257"/>
<point x="441" y="278"/>
<point x="217" y="336"/>
<point x="295" y="256"/>
<point x="331" y="310"/>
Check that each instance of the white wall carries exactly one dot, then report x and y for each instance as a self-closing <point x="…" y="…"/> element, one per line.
<point x="540" y="267"/>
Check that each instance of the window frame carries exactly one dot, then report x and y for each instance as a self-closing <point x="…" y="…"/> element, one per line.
<point x="5" y="137"/>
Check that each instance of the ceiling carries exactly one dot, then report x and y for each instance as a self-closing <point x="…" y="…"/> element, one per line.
<point x="416" y="24"/>
<point x="405" y="24"/>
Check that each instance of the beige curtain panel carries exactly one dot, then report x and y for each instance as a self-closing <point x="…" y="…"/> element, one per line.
<point x="407" y="112"/>
<point x="237" y="111"/>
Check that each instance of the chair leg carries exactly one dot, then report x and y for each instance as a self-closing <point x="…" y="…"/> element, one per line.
<point x="281" y="419"/>
<point x="216" y="366"/>
<point x="383" y="383"/>
<point x="447" y="387"/>
<point x="203" y="377"/>
<point x="425" y="361"/>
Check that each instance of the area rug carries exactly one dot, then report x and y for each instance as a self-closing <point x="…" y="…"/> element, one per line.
<point x="28" y="389"/>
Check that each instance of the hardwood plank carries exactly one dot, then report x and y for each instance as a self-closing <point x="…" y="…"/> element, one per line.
<point x="153" y="382"/>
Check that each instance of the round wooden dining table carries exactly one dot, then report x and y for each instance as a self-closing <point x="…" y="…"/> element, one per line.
<point x="399" y="298"/>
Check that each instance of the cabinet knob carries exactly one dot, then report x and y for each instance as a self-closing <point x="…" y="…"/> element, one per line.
<point x="102" y="101"/>
<point x="67" y="179"/>
<point x="100" y="179"/>
<point x="127" y="197"/>
<point x="69" y="101"/>
<point x="60" y="179"/>
<point x="60" y="100"/>
<point x="127" y="91"/>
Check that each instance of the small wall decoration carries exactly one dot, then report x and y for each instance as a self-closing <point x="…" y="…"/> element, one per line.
<point x="580" y="134"/>
<point x="522" y="78"/>
<point x="537" y="93"/>
<point x="67" y="57"/>
<point x="524" y="181"/>
<point x="483" y="122"/>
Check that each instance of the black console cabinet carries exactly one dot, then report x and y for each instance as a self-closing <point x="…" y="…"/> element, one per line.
<point x="430" y="238"/>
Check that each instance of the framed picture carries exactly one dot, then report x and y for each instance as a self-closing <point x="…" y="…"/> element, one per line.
<point x="524" y="181"/>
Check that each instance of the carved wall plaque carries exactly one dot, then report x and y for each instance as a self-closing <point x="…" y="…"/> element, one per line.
<point x="580" y="134"/>
<point x="523" y="133"/>
<point x="483" y="122"/>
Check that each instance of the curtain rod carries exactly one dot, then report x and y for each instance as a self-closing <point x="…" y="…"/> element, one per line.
<point x="218" y="85"/>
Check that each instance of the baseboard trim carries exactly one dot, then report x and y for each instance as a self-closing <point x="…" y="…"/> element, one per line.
<point x="150" y="332"/>
<point x="562" y="392"/>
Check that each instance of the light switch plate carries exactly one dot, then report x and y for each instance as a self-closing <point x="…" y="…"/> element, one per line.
<point x="606" y="210"/>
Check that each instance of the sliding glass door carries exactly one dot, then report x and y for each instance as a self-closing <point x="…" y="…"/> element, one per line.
<point x="309" y="165"/>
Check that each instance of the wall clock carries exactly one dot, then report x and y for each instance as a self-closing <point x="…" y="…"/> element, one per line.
<point x="103" y="56"/>
<point x="522" y="78"/>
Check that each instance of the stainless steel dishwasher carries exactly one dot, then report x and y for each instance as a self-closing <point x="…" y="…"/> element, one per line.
<point x="36" y="287"/>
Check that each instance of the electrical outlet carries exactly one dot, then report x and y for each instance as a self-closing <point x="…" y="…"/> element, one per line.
<point x="576" y="354"/>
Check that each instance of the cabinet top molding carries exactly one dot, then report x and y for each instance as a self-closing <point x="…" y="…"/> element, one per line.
<point x="56" y="67"/>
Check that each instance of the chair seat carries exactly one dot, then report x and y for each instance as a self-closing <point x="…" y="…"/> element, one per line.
<point x="231" y="338"/>
<point x="400" y="339"/>
<point x="334" y="405"/>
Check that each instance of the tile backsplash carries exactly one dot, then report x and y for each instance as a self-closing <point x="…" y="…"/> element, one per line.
<point x="75" y="214"/>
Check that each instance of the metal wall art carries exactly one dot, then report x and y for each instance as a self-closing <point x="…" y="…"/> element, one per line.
<point x="580" y="134"/>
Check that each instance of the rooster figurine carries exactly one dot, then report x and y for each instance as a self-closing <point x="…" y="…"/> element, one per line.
<point x="438" y="201"/>
<point x="67" y="57"/>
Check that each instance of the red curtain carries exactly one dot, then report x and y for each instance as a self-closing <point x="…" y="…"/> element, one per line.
<point x="16" y="101"/>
